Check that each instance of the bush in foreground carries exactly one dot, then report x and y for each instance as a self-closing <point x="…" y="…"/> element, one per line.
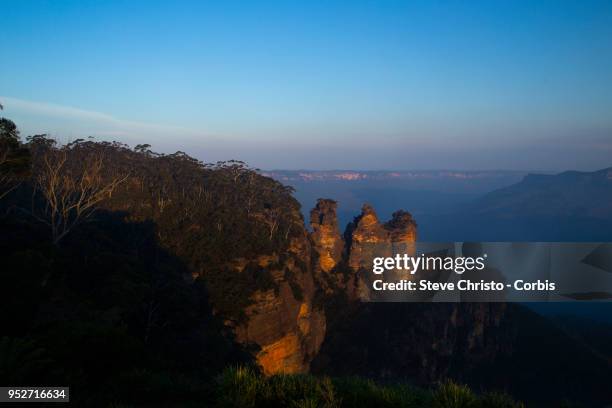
<point x="245" y="388"/>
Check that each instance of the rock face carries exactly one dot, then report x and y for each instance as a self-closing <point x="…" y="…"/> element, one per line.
<point x="328" y="242"/>
<point x="295" y="334"/>
<point x="402" y="231"/>
<point x="422" y="341"/>
<point x="284" y="322"/>
<point x="368" y="238"/>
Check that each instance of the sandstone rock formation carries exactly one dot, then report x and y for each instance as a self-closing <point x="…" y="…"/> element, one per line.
<point x="284" y="322"/>
<point x="420" y="340"/>
<point x="368" y="239"/>
<point x="325" y="235"/>
<point x="393" y="340"/>
<point x="402" y="232"/>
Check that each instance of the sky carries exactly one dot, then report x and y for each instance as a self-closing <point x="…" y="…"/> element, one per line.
<point x="517" y="85"/>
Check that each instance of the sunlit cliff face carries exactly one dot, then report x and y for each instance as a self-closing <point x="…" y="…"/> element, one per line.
<point x="369" y="239"/>
<point x="289" y="326"/>
<point x="285" y="323"/>
<point x="328" y="242"/>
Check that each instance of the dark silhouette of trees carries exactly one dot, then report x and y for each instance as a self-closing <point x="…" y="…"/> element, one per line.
<point x="14" y="159"/>
<point x="208" y="214"/>
<point x="7" y="178"/>
<point x="112" y="308"/>
<point x="8" y="130"/>
<point x="73" y="182"/>
<point x="114" y="257"/>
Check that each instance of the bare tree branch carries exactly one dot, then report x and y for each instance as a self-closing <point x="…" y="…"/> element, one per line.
<point x="73" y="186"/>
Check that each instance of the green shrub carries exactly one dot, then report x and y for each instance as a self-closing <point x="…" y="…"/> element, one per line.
<point x="452" y="395"/>
<point x="244" y="388"/>
<point x="239" y="387"/>
<point x="359" y="392"/>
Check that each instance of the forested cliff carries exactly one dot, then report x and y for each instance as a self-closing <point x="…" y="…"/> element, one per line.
<point x="125" y="269"/>
<point x="171" y="222"/>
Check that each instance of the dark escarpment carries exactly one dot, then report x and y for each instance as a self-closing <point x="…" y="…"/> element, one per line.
<point x="185" y="267"/>
<point x="237" y="240"/>
<point x="239" y="235"/>
<point x="490" y="345"/>
<point x="394" y="340"/>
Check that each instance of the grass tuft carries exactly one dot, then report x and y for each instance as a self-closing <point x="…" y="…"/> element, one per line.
<point x="245" y="387"/>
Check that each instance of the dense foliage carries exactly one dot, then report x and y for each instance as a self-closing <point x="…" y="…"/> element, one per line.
<point x="100" y="245"/>
<point x="205" y="214"/>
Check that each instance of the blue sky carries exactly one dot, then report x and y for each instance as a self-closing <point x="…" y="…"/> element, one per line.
<point x="321" y="85"/>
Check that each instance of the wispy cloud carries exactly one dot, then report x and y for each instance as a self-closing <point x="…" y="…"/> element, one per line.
<point x="50" y="109"/>
<point x="67" y="123"/>
<point x="66" y="120"/>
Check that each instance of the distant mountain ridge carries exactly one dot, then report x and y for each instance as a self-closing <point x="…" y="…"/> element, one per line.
<point x="471" y="206"/>
<point x="567" y="194"/>
<point x="356" y="175"/>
